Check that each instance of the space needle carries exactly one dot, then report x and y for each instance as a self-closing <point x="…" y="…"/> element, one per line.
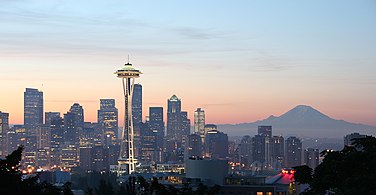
<point x="128" y="74"/>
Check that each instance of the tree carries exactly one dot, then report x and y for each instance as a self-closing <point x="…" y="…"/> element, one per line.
<point x="349" y="171"/>
<point x="105" y="188"/>
<point x="67" y="188"/>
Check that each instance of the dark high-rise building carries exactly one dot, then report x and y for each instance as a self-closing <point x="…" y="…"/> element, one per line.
<point x="277" y="147"/>
<point x="194" y="148"/>
<point x="311" y="157"/>
<point x="137" y="118"/>
<point x="137" y="105"/>
<point x="185" y="125"/>
<point x="216" y="145"/>
<point x="108" y="120"/>
<point x="258" y="148"/>
<point x="178" y="124"/>
<point x="350" y="138"/>
<point x="78" y="111"/>
<point x="265" y="131"/>
<point x="71" y="133"/>
<point x="149" y="148"/>
<point x="4" y="128"/>
<point x="49" y="116"/>
<point x="156" y="124"/>
<point x="57" y="138"/>
<point x="173" y="118"/>
<point x="33" y="109"/>
<point x="245" y="150"/>
<point x="293" y="152"/>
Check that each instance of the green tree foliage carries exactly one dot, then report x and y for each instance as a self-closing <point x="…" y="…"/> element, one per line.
<point x="349" y="171"/>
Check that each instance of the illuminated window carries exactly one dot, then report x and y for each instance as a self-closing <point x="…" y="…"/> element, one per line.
<point x="259" y="193"/>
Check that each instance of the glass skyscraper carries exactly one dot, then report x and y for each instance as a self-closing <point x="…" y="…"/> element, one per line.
<point x="33" y="109"/>
<point x="108" y="118"/>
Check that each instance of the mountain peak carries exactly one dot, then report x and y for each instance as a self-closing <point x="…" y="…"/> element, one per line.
<point x="303" y="111"/>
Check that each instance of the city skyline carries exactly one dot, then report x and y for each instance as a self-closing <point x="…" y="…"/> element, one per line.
<point x="242" y="66"/>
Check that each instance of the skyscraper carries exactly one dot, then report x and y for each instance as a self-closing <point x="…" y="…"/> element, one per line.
<point x="178" y="124"/>
<point x="173" y="118"/>
<point x="277" y="151"/>
<point x="245" y="150"/>
<point x="156" y="124"/>
<point x="108" y="119"/>
<point x="128" y="74"/>
<point x="184" y="125"/>
<point x="78" y="111"/>
<point x="293" y="152"/>
<point x="33" y="109"/>
<point x="216" y="145"/>
<point x="199" y="123"/>
<point x="70" y="134"/>
<point x="49" y="116"/>
<point x="4" y="128"/>
<point x="194" y="148"/>
<point x="57" y="138"/>
<point x="137" y="105"/>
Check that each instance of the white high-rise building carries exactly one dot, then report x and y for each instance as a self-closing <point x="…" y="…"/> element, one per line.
<point x="200" y="123"/>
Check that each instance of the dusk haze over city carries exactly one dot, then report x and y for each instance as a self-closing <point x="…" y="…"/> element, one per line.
<point x="187" y="97"/>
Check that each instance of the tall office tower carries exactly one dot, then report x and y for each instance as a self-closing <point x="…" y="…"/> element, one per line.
<point x="57" y="138"/>
<point x="43" y="136"/>
<point x="277" y="151"/>
<point x="245" y="150"/>
<point x="108" y="120"/>
<point x="265" y="131"/>
<point x="4" y="128"/>
<point x="184" y="126"/>
<point x="70" y="128"/>
<point x="78" y="111"/>
<point x="148" y="148"/>
<point x="33" y="110"/>
<point x="173" y="118"/>
<point x="137" y="118"/>
<point x="350" y="138"/>
<point x="216" y="145"/>
<point x="311" y="157"/>
<point x="49" y="116"/>
<point x="199" y="123"/>
<point x="137" y="105"/>
<point x="258" y="148"/>
<point x="128" y="74"/>
<point x="194" y="148"/>
<point x="156" y="124"/>
<point x="293" y="152"/>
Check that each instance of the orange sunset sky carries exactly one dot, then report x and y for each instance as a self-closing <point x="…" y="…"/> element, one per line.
<point x="254" y="61"/>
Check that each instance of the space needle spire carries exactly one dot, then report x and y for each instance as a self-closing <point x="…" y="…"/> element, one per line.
<point x="127" y="161"/>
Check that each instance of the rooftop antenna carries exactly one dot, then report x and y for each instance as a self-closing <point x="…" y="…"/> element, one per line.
<point x="128" y="58"/>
